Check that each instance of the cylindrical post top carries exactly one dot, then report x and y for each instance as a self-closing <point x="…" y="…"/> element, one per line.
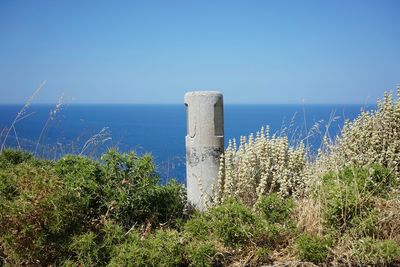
<point x="204" y="117"/>
<point x="202" y="93"/>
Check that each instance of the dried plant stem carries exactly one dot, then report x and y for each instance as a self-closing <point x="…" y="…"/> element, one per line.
<point x="99" y="138"/>
<point x="21" y="115"/>
<point x="51" y="118"/>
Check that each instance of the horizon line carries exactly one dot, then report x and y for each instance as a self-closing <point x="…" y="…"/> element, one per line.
<point x="176" y="104"/>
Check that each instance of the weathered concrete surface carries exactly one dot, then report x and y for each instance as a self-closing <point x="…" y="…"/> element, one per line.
<point x="204" y="143"/>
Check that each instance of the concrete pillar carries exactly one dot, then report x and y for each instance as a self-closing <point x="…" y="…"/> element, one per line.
<point x="204" y="143"/>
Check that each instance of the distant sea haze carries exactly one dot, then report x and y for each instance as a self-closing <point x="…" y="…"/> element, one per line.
<point x="159" y="129"/>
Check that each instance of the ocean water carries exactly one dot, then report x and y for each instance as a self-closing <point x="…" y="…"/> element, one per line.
<point x="158" y="129"/>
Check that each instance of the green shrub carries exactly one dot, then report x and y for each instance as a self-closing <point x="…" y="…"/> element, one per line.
<point x="232" y="223"/>
<point x="112" y="234"/>
<point x="164" y="248"/>
<point x="95" y="249"/>
<point x="349" y="194"/>
<point x="275" y="208"/>
<point x="369" y="251"/>
<point x="86" y="249"/>
<point x="11" y="157"/>
<point x="132" y="193"/>
<point x="201" y="254"/>
<point x="374" y="180"/>
<point x="35" y="224"/>
<point x="8" y="186"/>
<point x="199" y="226"/>
<point x="236" y="225"/>
<point x="365" y="225"/>
<point x="82" y="177"/>
<point x="66" y="211"/>
<point x="313" y="248"/>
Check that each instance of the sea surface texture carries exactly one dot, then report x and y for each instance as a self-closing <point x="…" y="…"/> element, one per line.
<point x="158" y="129"/>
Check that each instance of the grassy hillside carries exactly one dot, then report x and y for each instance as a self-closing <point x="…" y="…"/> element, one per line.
<point x="274" y="205"/>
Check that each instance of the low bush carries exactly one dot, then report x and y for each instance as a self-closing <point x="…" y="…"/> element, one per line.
<point x="202" y="254"/>
<point x="86" y="249"/>
<point x="38" y="220"/>
<point x="275" y="208"/>
<point x="349" y="194"/>
<point x="369" y="251"/>
<point x="313" y="248"/>
<point x="82" y="176"/>
<point x="231" y="231"/>
<point x="132" y="194"/>
<point x="163" y="248"/>
<point x="10" y="157"/>
<point x="232" y="224"/>
<point x="57" y="211"/>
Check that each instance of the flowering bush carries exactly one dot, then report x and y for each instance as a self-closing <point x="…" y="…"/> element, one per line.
<point x="266" y="164"/>
<point x="373" y="137"/>
<point x="260" y="166"/>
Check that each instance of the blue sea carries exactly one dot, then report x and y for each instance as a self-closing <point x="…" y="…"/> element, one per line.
<point x="157" y="129"/>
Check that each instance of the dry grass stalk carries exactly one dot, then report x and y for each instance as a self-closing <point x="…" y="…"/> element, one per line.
<point x="101" y="137"/>
<point x="22" y="114"/>
<point x="52" y="116"/>
<point x="388" y="221"/>
<point x="308" y="216"/>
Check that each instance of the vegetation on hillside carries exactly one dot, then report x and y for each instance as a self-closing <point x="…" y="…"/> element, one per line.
<point x="273" y="205"/>
<point x="51" y="211"/>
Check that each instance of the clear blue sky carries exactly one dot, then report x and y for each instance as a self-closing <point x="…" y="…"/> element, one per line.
<point x="154" y="51"/>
